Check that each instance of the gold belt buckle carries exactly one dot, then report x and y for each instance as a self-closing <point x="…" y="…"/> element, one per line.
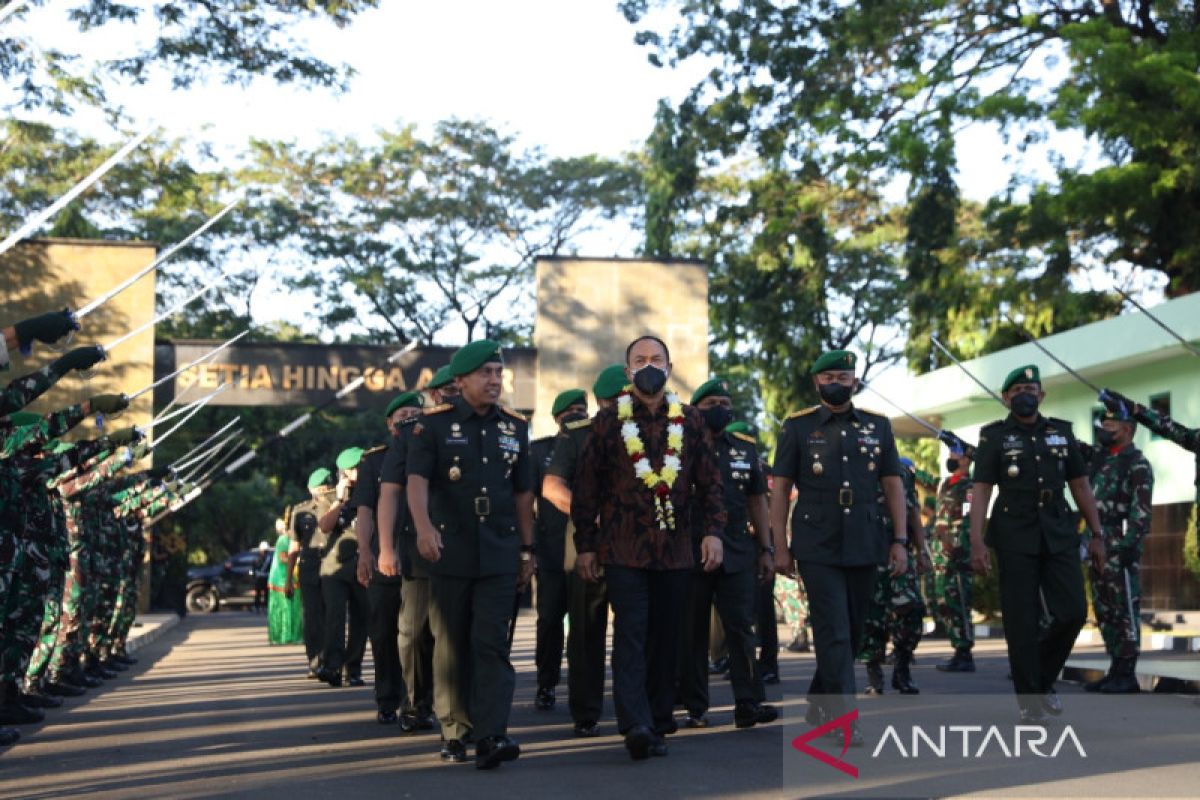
<point x="846" y="497"/>
<point x="483" y="506"/>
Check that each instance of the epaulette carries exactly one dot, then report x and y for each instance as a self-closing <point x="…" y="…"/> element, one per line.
<point x="513" y="414"/>
<point x="805" y="412"/>
<point x="376" y="449"/>
<point x="544" y="438"/>
<point x="869" y="412"/>
<point x="437" y="409"/>
<point x="577" y="424"/>
<point x="745" y="437"/>
<point x="1056" y="421"/>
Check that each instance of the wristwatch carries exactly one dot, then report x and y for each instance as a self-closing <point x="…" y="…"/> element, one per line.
<point x="527" y="551"/>
<point x="767" y="549"/>
<point x="900" y="541"/>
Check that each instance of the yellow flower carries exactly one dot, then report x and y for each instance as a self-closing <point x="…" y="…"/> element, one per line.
<point x="633" y="446"/>
<point x="675" y="442"/>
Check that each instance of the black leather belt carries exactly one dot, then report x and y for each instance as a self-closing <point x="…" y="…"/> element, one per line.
<point x="843" y="497"/>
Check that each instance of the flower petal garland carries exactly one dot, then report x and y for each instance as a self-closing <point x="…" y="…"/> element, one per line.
<point x="660" y="482"/>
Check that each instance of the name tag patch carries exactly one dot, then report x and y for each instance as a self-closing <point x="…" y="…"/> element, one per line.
<point x="1056" y="440"/>
<point x="456" y="440"/>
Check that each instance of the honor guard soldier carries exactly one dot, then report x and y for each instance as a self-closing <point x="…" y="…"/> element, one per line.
<point x="587" y="601"/>
<point x="839" y="458"/>
<point x="344" y="595"/>
<point x="1123" y="483"/>
<point x="470" y="493"/>
<point x="1032" y="459"/>
<point x="383" y="591"/>
<point x="550" y="532"/>
<point x="749" y="559"/>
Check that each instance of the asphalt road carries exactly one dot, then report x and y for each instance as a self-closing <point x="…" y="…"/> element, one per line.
<point x="212" y="711"/>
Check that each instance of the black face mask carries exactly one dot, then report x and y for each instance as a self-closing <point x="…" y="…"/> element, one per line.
<point x="952" y="465"/>
<point x="717" y="418"/>
<point x="1106" y="438"/>
<point x="1024" y="404"/>
<point x="835" y="394"/>
<point x="574" y="416"/>
<point x="650" y="379"/>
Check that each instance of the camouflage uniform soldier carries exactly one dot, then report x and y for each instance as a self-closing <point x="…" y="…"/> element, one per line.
<point x="1123" y="483"/>
<point x="897" y="609"/>
<point x="954" y="575"/>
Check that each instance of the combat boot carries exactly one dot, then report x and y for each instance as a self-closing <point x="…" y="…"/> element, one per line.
<point x="961" y="661"/>
<point x="800" y="644"/>
<point x="901" y="677"/>
<point x="1124" y="680"/>
<point x="13" y="713"/>
<point x="1099" y="683"/>
<point x="874" y="677"/>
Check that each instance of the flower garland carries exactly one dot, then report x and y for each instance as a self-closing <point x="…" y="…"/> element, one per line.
<point x="659" y="482"/>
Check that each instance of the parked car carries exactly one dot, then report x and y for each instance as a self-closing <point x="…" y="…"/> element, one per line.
<point x="230" y="583"/>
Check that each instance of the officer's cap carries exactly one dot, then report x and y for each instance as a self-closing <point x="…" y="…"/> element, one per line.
<point x="318" y="477"/>
<point x="471" y="357"/>
<point x="834" y="360"/>
<point x="349" y="458"/>
<point x="567" y="399"/>
<point x="610" y="382"/>
<point x="713" y="387"/>
<point x="1026" y="374"/>
<point x="405" y="400"/>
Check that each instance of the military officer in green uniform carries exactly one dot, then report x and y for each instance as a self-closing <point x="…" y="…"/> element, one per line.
<point x="342" y="656"/>
<point x="838" y="457"/>
<point x="587" y="601"/>
<point x="550" y="532"/>
<point x="1032" y="459"/>
<point x="749" y="558"/>
<point x="470" y="493"/>
<point x="304" y="563"/>
<point x="441" y="387"/>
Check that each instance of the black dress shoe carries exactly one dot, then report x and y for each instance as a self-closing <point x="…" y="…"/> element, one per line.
<point x="545" y="699"/>
<point x="747" y="714"/>
<point x="9" y="737"/>
<point x="695" y="721"/>
<point x="407" y="722"/>
<point x="961" y="661"/>
<point x="1052" y="704"/>
<point x="586" y="729"/>
<point x="16" y="714"/>
<point x="638" y="740"/>
<point x="386" y="717"/>
<point x="113" y="666"/>
<point x="426" y="721"/>
<point x="454" y="750"/>
<point x="658" y="747"/>
<point x="666" y="728"/>
<point x="38" y="700"/>
<point x="330" y="677"/>
<point x="124" y="658"/>
<point x="1032" y="716"/>
<point x="98" y="671"/>
<point x="312" y="675"/>
<point x="770" y="677"/>
<point x="492" y="751"/>
<point x="355" y="680"/>
<point x="815" y="715"/>
<point x="81" y="678"/>
<point x="63" y="689"/>
<point x="719" y="667"/>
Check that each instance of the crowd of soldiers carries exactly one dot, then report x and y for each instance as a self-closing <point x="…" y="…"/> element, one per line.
<point x="71" y="534"/>
<point x="665" y="515"/>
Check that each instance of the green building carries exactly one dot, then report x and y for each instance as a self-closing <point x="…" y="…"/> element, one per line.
<point x="1130" y="354"/>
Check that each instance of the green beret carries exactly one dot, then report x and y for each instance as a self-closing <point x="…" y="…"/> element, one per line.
<point x="318" y="478"/>
<point x="1026" y="374"/>
<point x="610" y="382"/>
<point x="440" y="378"/>
<point x="21" y="419"/>
<point x="405" y="400"/>
<point x="834" y="360"/>
<point x="471" y="357"/>
<point x="738" y="427"/>
<point x="930" y="502"/>
<point x="567" y="399"/>
<point x="349" y="458"/>
<point x="713" y="387"/>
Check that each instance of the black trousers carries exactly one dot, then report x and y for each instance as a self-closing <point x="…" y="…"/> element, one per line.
<point x="473" y="678"/>
<point x="384" y="631"/>
<point x="838" y="599"/>
<point x="344" y="597"/>
<point x="416" y="645"/>
<point x="551" y="608"/>
<point x="647" y="612"/>
<point x="313" y="604"/>
<point x="1037" y="655"/>
<point x="733" y="596"/>
<point x="766" y="626"/>
<point x="586" y="647"/>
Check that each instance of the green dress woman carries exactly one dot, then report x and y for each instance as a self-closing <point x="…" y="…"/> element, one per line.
<point x="285" y="619"/>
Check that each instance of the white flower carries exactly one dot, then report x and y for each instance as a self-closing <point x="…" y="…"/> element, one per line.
<point x="629" y="430"/>
<point x="673" y="462"/>
<point x="642" y="468"/>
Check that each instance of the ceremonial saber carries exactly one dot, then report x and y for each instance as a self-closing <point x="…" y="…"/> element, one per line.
<point x="206" y="479"/>
<point x="224" y="428"/>
<point x="156" y="263"/>
<point x="175" y="309"/>
<point x="959" y="364"/>
<point x="195" y="469"/>
<point x="11" y="8"/>
<point x="1029" y="337"/>
<point x="184" y="369"/>
<point x="193" y="412"/>
<point x="40" y="218"/>
<point x="194" y="464"/>
<point x="927" y="426"/>
<point x="1194" y="350"/>
<point x="161" y="418"/>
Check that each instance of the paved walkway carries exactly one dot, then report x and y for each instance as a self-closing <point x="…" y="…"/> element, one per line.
<point x="212" y="711"/>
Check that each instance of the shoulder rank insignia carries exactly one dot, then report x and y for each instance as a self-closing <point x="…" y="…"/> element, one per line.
<point x="745" y="437"/>
<point x="438" y="409"/>
<point x="802" y="413"/>
<point x="512" y="413"/>
<point x="575" y="425"/>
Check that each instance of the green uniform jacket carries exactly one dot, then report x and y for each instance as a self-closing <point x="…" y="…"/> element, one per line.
<point x="475" y="466"/>
<point x="1031" y="466"/>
